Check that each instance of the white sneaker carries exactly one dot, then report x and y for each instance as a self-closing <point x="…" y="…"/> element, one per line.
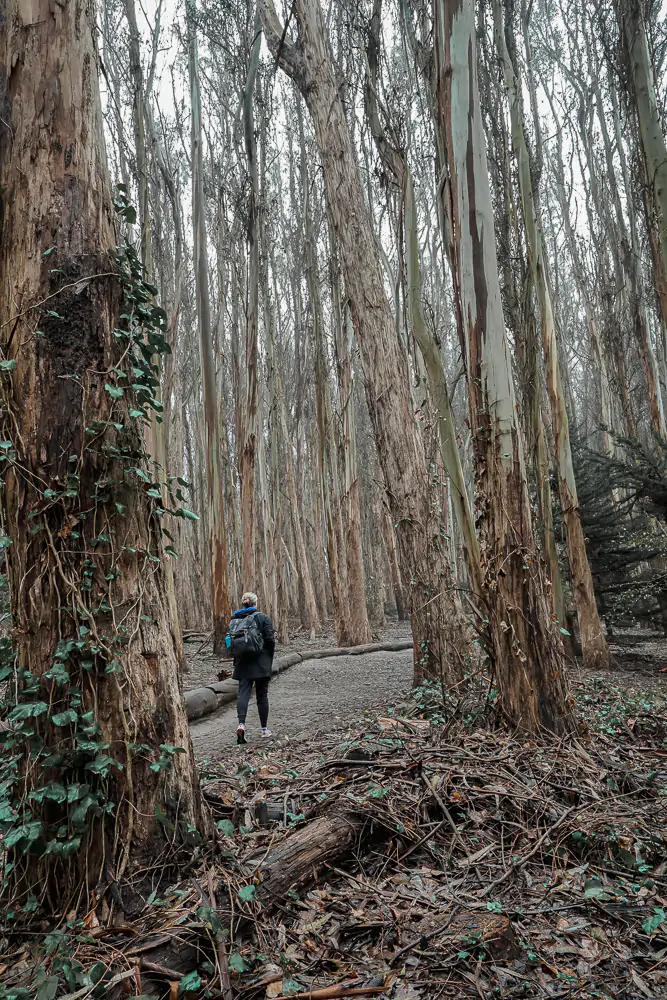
<point x="266" y="733"/>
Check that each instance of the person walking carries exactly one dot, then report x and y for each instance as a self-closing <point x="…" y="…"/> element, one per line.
<point x="251" y="641"/>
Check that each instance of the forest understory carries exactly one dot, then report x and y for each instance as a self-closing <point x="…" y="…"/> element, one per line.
<point x="421" y="851"/>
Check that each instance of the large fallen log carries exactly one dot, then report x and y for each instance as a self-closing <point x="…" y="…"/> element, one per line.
<point x="297" y="861"/>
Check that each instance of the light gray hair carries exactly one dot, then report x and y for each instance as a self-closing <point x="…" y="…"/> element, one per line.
<point x="249" y="599"/>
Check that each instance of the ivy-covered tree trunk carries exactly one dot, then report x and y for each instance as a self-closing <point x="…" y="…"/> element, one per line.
<point x="98" y="773"/>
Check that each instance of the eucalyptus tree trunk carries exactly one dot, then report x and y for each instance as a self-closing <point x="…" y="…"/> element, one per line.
<point x="308" y="610"/>
<point x="631" y="16"/>
<point x="96" y="652"/>
<point x="343" y="335"/>
<point x="155" y="431"/>
<point x="593" y="643"/>
<point x="155" y="435"/>
<point x="586" y="293"/>
<point x="437" y="629"/>
<point x="268" y="470"/>
<point x="324" y="418"/>
<point x="138" y="120"/>
<point x="247" y="445"/>
<point x="398" y="167"/>
<point x="631" y="257"/>
<point x="396" y="582"/>
<point x="220" y="598"/>
<point x="526" y="648"/>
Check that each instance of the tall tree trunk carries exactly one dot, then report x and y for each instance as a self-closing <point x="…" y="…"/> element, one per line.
<point x="247" y="446"/>
<point x="308" y="610"/>
<point x="526" y="649"/>
<point x="155" y="435"/>
<point x="398" y="166"/>
<point x="437" y="629"/>
<point x="97" y="658"/>
<point x="631" y="261"/>
<point x="633" y="29"/>
<point x="359" y="630"/>
<point x="396" y="582"/>
<point x="326" y="450"/>
<point x="220" y="598"/>
<point x="593" y="643"/>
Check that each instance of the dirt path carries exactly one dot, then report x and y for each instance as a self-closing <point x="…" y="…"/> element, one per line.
<point x="203" y="665"/>
<point x="312" y="695"/>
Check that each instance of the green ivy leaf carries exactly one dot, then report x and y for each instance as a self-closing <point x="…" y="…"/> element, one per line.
<point x="495" y="907"/>
<point x="651" y="924"/>
<point x="237" y="963"/>
<point x="64" y="718"/>
<point x="27" y="832"/>
<point x="208" y="916"/>
<point x="103" y="764"/>
<point x="247" y="892"/>
<point x="5" y="541"/>
<point x="47" y="988"/>
<point x="8" y="365"/>
<point x="594" y="889"/>
<point x="29" y="711"/>
<point x="189" y="983"/>
<point x="114" y="391"/>
<point x="52" y="791"/>
<point x="226" y="826"/>
<point x="62" y="848"/>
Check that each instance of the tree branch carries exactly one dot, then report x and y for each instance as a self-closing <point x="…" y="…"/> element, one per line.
<point x="285" y="52"/>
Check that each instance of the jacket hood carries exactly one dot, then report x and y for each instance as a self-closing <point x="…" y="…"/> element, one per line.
<point x="242" y="612"/>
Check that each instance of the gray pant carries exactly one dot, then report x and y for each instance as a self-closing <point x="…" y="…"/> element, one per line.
<point x="261" y="694"/>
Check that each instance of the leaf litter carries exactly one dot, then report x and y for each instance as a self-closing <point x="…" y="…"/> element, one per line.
<point x="483" y="864"/>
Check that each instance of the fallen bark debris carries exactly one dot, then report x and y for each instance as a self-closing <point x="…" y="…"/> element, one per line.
<point x="333" y="993"/>
<point x="419" y="862"/>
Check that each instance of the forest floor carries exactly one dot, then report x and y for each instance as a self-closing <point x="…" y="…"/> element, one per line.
<point x="482" y="864"/>
<point x="396" y="844"/>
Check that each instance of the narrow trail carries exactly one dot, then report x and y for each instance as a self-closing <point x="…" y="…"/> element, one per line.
<point x="312" y="695"/>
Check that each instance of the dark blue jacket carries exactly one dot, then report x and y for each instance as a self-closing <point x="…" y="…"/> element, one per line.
<point x="261" y="664"/>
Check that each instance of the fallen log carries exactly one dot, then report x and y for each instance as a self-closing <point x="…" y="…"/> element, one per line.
<point x="335" y="992"/>
<point x="293" y="864"/>
<point x="297" y="861"/>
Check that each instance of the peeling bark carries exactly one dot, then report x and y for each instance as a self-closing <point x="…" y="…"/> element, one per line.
<point x="421" y="543"/>
<point x="527" y="650"/>
<point x="54" y="196"/>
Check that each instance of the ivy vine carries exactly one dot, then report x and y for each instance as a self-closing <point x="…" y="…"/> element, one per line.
<point x="55" y="764"/>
